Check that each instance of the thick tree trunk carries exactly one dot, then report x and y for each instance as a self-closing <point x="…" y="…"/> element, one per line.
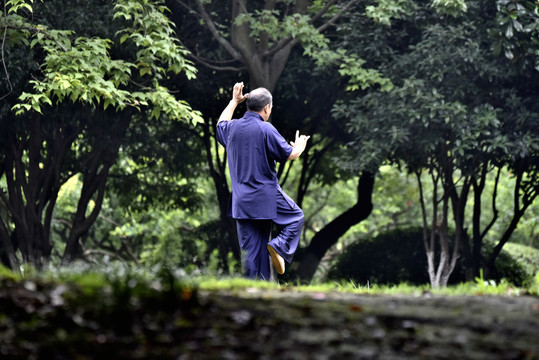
<point x="330" y="234"/>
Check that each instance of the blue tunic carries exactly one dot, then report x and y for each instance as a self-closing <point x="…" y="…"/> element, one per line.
<point x="253" y="147"/>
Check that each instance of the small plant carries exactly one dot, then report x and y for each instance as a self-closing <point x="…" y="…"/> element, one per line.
<point x="490" y="287"/>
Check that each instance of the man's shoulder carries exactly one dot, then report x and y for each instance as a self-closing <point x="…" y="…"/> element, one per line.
<point x="266" y="126"/>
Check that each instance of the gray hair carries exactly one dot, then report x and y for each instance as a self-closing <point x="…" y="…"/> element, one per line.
<point x="258" y="98"/>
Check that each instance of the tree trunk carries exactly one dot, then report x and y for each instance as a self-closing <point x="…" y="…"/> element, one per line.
<point x="529" y="191"/>
<point x="438" y="275"/>
<point x="228" y="239"/>
<point x="264" y="70"/>
<point x="96" y="167"/>
<point x="32" y="166"/>
<point x="330" y="234"/>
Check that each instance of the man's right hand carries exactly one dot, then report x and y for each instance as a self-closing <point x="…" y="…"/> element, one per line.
<point x="237" y="98"/>
<point x="237" y="93"/>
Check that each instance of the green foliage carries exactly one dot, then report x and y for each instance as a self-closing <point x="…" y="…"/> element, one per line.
<point x="385" y="10"/>
<point x="453" y="113"/>
<point x="490" y="287"/>
<point x="175" y="239"/>
<point x="160" y="167"/>
<point x="83" y="72"/>
<point x="450" y="7"/>
<point x="81" y="69"/>
<point x="167" y="242"/>
<point x="315" y="45"/>
<point x="522" y="260"/>
<point x="13" y="6"/>
<point x="107" y="56"/>
<point x="360" y="78"/>
<point x="153" y="35"/>
<point x="267" y="22"/>
<point x="395" y="205"/>
<point x="516" y="30"/>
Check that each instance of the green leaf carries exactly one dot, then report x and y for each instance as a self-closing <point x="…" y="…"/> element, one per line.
<point x="508" y="31"/>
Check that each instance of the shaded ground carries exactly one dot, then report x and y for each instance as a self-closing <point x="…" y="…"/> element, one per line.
<point x="66" y="322"/>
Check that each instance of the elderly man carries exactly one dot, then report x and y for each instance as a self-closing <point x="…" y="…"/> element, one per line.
<point x="253" y="147"/>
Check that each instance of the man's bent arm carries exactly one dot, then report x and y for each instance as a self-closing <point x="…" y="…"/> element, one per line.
<point x="237" y="98"/>
<point x="228" y="112"/>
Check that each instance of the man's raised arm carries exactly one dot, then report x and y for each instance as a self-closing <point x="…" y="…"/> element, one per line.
<point x="237" y="98"/>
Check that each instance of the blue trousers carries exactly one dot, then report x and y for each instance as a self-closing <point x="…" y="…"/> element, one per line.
<point x="255" y="234"/>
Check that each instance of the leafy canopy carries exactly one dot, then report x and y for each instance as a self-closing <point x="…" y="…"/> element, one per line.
<point x="315" y="44"/>
<point x="82" y="69"/>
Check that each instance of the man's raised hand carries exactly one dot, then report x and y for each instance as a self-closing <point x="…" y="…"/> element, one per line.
<point x="237" y="93"/>
<point x="301" y="140"/>
<point x="298" y="145"/>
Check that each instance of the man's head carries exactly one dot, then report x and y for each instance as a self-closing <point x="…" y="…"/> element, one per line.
<point x="261" y="102"/>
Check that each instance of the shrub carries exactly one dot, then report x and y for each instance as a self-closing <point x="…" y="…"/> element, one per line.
<point x="398" y="256"/>
<point x="393" y="257"/>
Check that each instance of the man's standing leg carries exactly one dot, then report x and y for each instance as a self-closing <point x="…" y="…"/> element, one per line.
<point x="289" y="223"/>
<point x="253" y="235"/>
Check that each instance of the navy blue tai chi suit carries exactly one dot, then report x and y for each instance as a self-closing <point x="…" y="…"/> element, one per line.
<point x="253" y="147"/>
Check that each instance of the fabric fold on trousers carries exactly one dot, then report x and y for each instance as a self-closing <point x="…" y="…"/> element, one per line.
<point x="254" y="235"/>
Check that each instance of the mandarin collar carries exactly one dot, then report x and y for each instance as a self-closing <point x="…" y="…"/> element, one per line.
<point x="252" y="114"/>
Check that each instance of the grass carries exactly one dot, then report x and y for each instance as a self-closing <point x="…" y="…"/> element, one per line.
<point x="118" y="276"/>
<point x="479" y="287"/>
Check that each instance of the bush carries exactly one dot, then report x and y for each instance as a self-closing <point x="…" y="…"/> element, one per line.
<point x="398" y="256"/>
<point x="518" y="263"/>
<point x="393" y="257"/>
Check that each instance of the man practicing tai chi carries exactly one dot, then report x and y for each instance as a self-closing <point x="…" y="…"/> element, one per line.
<point x="253" y="146"/>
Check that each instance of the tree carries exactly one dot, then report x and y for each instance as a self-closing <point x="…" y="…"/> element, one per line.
<point x="459" y="113"/>
<point x="44" y="144"/>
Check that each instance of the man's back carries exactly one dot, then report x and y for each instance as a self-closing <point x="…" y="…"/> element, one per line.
<point x="252" y="147"/>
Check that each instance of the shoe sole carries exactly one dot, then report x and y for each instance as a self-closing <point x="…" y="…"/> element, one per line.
<point x="276" y="260"/>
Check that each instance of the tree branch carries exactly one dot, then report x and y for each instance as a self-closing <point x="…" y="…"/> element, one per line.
<point x="322" y="12"/>
<point x="33" y="29"/>
<point x="264" y="36"/>
<point x="336" y="17"/>
<point x="216" y="67"/>
<point x="494" y="208"/>
<point x="216" y="34"/>
<point x="3" y="55"/>
<point x="291" y="42"/>
<point x="423" y="210"/>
